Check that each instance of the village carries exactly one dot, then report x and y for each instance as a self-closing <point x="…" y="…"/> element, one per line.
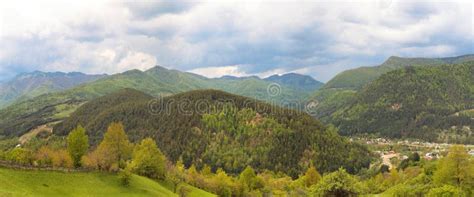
<point x="392" y="151"/>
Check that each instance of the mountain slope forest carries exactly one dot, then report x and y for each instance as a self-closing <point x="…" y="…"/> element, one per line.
<point x="25" y="115"/>
<point x="221" y="130"/>
<point x="357" y="78"/>
<point x="300" y="82"/>
<point x="29" y="85"/>
<point x="342" y="89"/>
<point x="429" y="102"/>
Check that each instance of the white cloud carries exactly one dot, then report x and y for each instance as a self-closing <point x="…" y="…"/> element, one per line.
<point x="215" y="72"/>
<point x="261" y="37"/>
<point x="137" y="60"/>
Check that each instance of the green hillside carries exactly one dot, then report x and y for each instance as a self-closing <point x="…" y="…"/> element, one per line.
<point x="29" y="85"/>
<point x="420" y="102"/>
<point x="298" y="81"/>
<point x="359" y="77"/>
<point x="49" y="183"/>
<point x="339" y="93"/>
<point x="222" y="130"/>
<point x="22" y="116"/>
<point x="330" y="101"/>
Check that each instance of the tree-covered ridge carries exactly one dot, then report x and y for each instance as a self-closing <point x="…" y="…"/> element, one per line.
<point x="223" y="131"/>
<point x="339" y="92"/>
<point x="419" y="102"/>
<point x="330" y="101"/>
<point x="298" y="81"/>
<point x="27" y="114"/>
<point x="451" y="175"/>
<point x="357" y="78"/>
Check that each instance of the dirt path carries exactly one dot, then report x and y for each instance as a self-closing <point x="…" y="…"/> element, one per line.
<point x="32" y="133"/>
<point x="386" y="159"/>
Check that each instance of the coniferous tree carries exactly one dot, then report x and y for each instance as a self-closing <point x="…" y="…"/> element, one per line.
<point x="311" y="176"/>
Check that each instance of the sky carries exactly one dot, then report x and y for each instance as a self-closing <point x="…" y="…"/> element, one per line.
<point x="216" y="38"/>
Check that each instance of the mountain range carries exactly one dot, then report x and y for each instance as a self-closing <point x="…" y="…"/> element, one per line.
<point x="434" y="103"/>
<point x="157" y="81"/>
<point x="342" y="88"/>
<point x="194" y="125"/>
<point x="29" y="85"/>
<point x="358" y="101"/>
<point x="356" y="79"/>
<point x="425" y="98"/>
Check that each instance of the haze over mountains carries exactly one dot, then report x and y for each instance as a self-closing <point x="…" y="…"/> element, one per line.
<point x="29" y="85"/>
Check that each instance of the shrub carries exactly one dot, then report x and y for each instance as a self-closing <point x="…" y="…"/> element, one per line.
<point x="125" y="176"/>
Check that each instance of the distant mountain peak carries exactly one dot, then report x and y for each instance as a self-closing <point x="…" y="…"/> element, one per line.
<point x="133" y="71"/>
<point x="30" y="84"/>
<point x="296" y="80"/>
<point x="236" y="78"/>
<point x="290" y="75"/>
<point x="38" y="73"/>
<point x="229" y="77"/>
<point x="157" y="68"/>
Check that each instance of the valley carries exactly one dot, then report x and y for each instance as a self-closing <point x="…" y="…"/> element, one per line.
<point x="244" y="98"/>
<point x="163" y="132"/>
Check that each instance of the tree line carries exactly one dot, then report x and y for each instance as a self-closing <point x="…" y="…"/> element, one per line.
<point x="452" y="175"/>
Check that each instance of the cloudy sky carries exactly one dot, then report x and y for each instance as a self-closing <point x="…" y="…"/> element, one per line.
<point x="214" y="38"/>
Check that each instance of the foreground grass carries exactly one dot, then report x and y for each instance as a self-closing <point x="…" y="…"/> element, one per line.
<point x="47" y="183"/>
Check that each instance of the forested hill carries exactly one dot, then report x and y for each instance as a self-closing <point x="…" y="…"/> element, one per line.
<point x="428" y="102"/>
<point x="297" y="81"/>
<point x="22" y="116"/>
<point x="340" y="91"/>
<point x="222" y="130"/>
<point x="357" y="78"/>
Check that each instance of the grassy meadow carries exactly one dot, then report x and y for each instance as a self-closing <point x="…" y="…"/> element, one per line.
<point x="49" y="183"/>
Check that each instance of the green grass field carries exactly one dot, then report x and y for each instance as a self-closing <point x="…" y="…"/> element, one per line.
<point x="47" y="183"/>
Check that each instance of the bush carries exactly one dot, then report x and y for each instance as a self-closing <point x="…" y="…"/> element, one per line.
<point x="338" y="183"/>
<point x="183" y="190"/>
<point x="148" y="160"/>
<point x="125" y="176"/>
<point x="446" y="190"/>
<point x="20" y="156"/>
<point x="62" y="159"/>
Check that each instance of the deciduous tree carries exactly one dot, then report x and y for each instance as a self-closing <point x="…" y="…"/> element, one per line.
<point x="77" y="144"/>
<point x="115" y="148"/>
<point x="456" y="168"/>
<point x="148" y="160"/>
<point x="338" y="183"/>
